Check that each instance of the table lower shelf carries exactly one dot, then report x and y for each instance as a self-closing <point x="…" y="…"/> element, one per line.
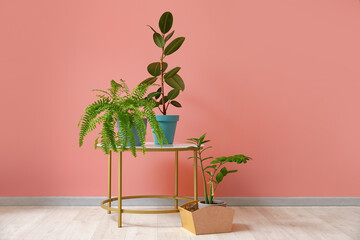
<point x="112" y="209"/>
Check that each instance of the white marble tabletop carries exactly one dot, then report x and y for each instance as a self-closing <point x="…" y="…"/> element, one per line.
<point x="164" y="147"/>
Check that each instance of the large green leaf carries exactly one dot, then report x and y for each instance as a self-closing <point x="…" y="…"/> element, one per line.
<point x="174" y="45"/>
<point x="165" y="98"/>
<point x="210" y="166"/>
<point x="167" y="37"/>
<point x="159" y="40"/>
<point x="149" y="80"/>
<point x="153" y="94"/>
<point x="236" y="158"/>
<point x="159" y="91"/>
<point x="222" y="173"/>
<point x="175" y="103"/>
<point x="176" y="82"/>
<point x="151" y="28"/>
<point x="165" y="22"/>
<point x="172" y="72"/>
<point x="219" y="177"/>
<point x="154" y="68"/>
<point x="173" y="94"/>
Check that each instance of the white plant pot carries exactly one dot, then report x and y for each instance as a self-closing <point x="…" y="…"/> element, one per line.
<point x="218" y="203"/>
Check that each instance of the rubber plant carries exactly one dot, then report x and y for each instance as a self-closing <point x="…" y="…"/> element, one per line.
<point x="158" y="71"/>
<point x="215" y="171"/>
<point x="118" y="104"/>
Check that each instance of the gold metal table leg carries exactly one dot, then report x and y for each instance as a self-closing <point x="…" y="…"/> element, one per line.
<point x="195" y="176"/>
<point x="119" y="189"/>
<point x="109" y="180"/>
<point x="176" y="177"/>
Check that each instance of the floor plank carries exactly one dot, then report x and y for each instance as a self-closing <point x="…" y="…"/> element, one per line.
<point x="250" y="223"/>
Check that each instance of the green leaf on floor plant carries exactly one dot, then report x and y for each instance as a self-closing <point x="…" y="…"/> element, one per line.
<point x="173" y="94"/>
<point x="159" y="40"/>
<point x="174" y="45"/>
<point x="175" y="103"/>
<point x="165" y="22"/>
<point x="211" y="166"/>
<point x="154" y="68"/>
<point x="169" y="36"/>
<point x="172" y="72"/>
<point x="219" y="177"/>
<point x="176" y="82"/>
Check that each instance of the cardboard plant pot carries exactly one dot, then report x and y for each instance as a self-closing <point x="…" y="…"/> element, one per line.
<point x="214" y="219"/>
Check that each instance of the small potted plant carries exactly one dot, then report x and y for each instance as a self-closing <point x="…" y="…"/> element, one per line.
<point x="118" y="105"/>
<point x="158" y="71"/>
<point x="209" y="215"/>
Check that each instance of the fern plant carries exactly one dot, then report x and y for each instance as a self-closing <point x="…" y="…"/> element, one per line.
<point x="119" y="105"/>
<point x="214" y="171"/>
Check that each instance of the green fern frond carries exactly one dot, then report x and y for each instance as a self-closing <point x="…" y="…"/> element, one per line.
<point x="108" y="131"/>
<point x="91" y="112"/>
<point x="131" y="138"/>
<point x="122" y="141"/>
<point x="140" y="127"/>
<point x="128" y="109"/>
<point x="139" y="92"/>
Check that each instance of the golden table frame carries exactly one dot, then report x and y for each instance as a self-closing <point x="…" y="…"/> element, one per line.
<point x="150" y="147"/>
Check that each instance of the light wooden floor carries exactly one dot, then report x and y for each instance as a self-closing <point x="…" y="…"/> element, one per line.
<point x="263" y="223"/>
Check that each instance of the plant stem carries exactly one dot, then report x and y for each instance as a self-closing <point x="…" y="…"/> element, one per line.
<point x="211" y="194"/>
<point x="162" y="79"/>
<point x="203" y="176"/>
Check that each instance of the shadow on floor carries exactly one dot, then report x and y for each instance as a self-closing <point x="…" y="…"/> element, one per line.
<point x="237" y="227"/>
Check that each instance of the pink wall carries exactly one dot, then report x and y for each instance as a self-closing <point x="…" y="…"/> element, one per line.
<point x="278" y="80"/>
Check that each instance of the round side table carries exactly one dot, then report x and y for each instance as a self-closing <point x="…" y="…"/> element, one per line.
<point x="150" y="147"/>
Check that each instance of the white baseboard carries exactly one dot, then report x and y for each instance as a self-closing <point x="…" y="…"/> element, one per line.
<point x="232" y="201"/>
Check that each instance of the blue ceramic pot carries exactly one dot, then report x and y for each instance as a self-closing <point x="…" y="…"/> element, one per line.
<point x="168" y="125"/>
<point x="135" y="132"/>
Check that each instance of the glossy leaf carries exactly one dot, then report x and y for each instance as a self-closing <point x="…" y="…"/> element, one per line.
<point x="158" y="40"/>
<point x="153" y="94"/>
<point x="159" y="91"/>
<point x="152" y="28"/>
<point x="166" y="99"/>
<point x="172" y="72"/>
<point x="154" y="68"/>
<point x="222" y="173"/>
<point x="149" y="80"/>
<point x="210" y="166"/>
<point x="219" y="177"/>
<point x="176" y="82"/>
<point x="165" y="22"/>
<point x="175" y="103"/>
<point x="169" y="36"/>
<point x="174" y="45"/>
<point x="236" y="158"/>
<point x="173" y="94"/>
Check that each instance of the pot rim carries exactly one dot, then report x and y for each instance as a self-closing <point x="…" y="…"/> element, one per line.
<point x="215" y="202"/>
